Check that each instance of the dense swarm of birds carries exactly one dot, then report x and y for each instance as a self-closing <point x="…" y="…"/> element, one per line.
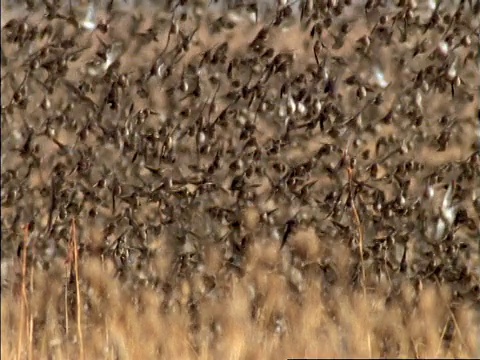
<point x="166" y="131"/>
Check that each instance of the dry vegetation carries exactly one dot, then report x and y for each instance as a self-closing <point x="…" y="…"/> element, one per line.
<point x="210" y="186"/>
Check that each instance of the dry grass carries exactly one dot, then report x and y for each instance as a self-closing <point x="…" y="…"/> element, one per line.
<point x="256" y="316"/>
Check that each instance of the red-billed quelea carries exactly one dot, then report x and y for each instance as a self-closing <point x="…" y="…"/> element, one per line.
<point x="447" y="213"/>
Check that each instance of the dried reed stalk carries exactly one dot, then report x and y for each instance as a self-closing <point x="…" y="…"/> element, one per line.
<point x="77" y="286"/>
<point x="23" y="293"/>
<point x="360" y="246"/>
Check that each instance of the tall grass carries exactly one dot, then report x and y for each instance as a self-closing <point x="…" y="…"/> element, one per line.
<point x="268" y="312"/>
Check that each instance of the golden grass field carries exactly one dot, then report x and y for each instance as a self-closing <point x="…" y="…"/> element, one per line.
<point x="292" y="302"/>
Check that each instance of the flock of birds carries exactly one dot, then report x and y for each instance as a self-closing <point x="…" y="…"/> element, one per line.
<point x="174" y="128"/>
